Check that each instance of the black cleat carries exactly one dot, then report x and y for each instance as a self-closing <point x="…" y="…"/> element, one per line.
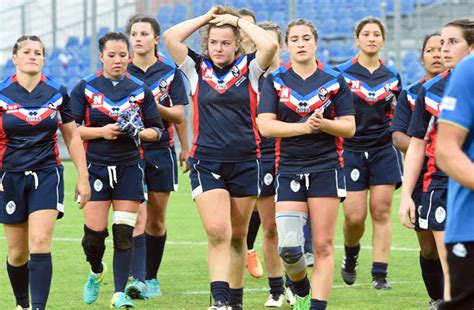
<point x="236" y="307"/>
<point x="380" y="282"/>
<point x="348" y="270"/>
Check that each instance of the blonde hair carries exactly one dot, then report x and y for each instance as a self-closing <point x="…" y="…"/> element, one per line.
<point x="207" y="29"/>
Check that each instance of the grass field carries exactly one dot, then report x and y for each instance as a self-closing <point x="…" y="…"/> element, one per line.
<point x="183" y="274"/>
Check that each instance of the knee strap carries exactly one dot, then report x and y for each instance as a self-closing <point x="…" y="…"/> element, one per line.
<point x="93" y="241"/>
<point x="123" y="237"/>
<point x="291" y="240"/>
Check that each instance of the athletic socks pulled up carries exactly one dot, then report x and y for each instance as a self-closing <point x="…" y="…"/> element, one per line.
<point x="40" y="274"/>
<point x="19" y="282"/>
<point x="220" y="291"/>
<point x="139" y="257"/>
<point x="433" y="277"/>
<point x="155" y="247"/>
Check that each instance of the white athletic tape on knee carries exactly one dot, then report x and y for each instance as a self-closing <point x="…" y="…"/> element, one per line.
<point x="123" y="217"/>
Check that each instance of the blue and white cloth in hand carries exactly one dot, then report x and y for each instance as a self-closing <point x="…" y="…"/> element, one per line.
<point x="130" y="123"/>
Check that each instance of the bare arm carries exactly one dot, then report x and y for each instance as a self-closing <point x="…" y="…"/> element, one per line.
<point x="73" y="143"/>
<point x="174" y="114"/>
<point x="413" y="164"/>
<point x="401" y="141"/>
<point x="270" y="126"/>
<point x="175" y="36"/>
<point x="450" y="157"/>
<point x="108" y="132"/>
<point x="343" y="126"/>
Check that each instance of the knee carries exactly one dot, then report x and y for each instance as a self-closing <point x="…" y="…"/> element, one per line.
<point x="323" y="248"/>
<point x="293" y="258"/>
<point x="239" y="237"/>
<point x="156" y="226"/>
<point x="355" y="219"/>
<point x="17" y="256"/>
<point x="218" y="234"/>
<point x="381" y="214"/>
<point x="123" y="237"/>
<point x="94" y="241"/>
<point x="270" y="232"/>
<point x="429" y="251"/>
<point x="40" y="243"/>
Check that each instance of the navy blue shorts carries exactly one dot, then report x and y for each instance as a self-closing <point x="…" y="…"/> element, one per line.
<point x="117" y="182"/>
<point x="30" y="191"/>
<point x="433" y="210"/>
<point x="268" y="186"/>
<point x="240" y="179"/>
<point x="161" y="170"/>
<point x="377" y="167"/>
<point x="416" y="197"/>
<point x="300" y="187"/>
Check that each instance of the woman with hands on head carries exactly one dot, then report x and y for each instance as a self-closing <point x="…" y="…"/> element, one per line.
<point x="224" y="160"/>
<point x="101" y="104"/>
<point x="32" y="108"/>
<point x="308" y="106"/>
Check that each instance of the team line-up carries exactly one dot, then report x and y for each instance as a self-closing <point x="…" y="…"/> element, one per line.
<point x="289" y="140"/>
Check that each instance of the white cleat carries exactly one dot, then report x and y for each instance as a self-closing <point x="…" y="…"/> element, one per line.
<point x="274" y="301"/>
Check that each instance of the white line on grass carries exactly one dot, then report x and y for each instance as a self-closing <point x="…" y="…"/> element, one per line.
<point x="201" y="243"/>
<point x="265" y="289"/>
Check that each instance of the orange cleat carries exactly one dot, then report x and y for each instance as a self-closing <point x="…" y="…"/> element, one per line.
<point x="254" y="266"/>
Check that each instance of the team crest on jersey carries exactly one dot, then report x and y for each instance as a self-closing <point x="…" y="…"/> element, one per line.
<point x="97" y="100"/>
<point x="163" y="85"/>
<point x="323" y="93"/>
<point x="284" y="93"/>
<point x="132" y="100"/>
<point x="235" y="71"/>
<point x="53" y="109"/>
<point x="387" y="87"/>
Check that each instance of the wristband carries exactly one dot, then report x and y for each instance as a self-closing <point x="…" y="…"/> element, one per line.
<point x="237" y="22"/>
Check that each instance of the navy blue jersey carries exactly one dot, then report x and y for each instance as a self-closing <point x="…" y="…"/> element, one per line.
<point x="96" y="102"/>
<point x="225" y="107"/>
<point x="267" y="145"/>
<point x="167" y="86"/>
<point x="294" y="100"/>
<point x="424" y="125"/>
<point x="29" y="122"/>
<point x="374" y="96"/>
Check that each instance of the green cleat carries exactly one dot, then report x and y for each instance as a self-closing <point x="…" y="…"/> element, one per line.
<point x="302" y="303"/>
<point x="121" y="300"/>
<point x="137" y="290"/>
<point x="92" y="287"/>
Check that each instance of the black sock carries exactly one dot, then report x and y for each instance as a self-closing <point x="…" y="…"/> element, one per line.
<point x="236" y="296"/>
<point x="93" y="244"/>
<point x="433" y="277"/>
<point x="139" y="257"/>
<point x="220" y="291"/>
<point x="302" y="287"/>
<point x="122" y="265"/>
<point x="40" y="274"/>
<point x="276" y="286"/>
<point x="352" y="252"/>
<point x="19" y="281"/>
<point x="288" y="281"/>
<point x="317" y="304"/>
<point x="379" y="269"/>
<point x="155" y="247"/>
<point x="253" y="230"/>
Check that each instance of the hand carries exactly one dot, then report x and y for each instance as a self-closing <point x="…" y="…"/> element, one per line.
<point x="211" y="12"/>
<point x="319" y="120"/>
<point x="111" y="132"/>
<point x="82" y="192"/>
<point x="406" y="212"/>
<point x="224" y="19"/>
<point x="183" y="158"/>
<point x="311" y="124"/>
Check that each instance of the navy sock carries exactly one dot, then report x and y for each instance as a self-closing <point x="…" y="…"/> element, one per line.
<point x="276" y="285"/>
<point x="220" y="291"/>
<point x="308" y="240"/>
<point x="433" y="277"/>
<point x="254" y="225"/>
<point x="317" y="304"/>
<point x="155" y="247"/>
<point x="40" y="273"/>
<point x="379" y="269"/>
<point x="139" y="257"/>
<point x="19" y="281"/>
<point x="302" y="287"/>
<point x="288" y="281"/>
<point x="122" y="265"/>
<point x="351" y="252"/>
<point x="236" y="296"/>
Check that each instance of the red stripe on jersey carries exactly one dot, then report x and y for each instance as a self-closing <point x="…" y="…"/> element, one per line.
<point x="195" y="121"/>
<point x="277" y="153"/>
<point x="141" y="151"/>
<point x="56" y="149"/>
<point x="87" y="123"/>
<point x="3" y="141"/>
<point x="171" y="134"/>
<point x="253" y="114"/>
<point x="427" y="178"/>
<point x="14" y="79"/>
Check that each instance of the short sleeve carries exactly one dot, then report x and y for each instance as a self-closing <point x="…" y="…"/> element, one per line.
<point x="269" y="98"/>
<point x="78" y="102"/>
<point x="177" y="90"/>
<point x="65" y="109"/>
<point x="149" y="108"/>
<point x="402" y="116"/>
<point x="344" y="105"/>
<point x="420" y="118"/>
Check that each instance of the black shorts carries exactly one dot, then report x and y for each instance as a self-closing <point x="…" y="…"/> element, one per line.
<point x="268" y="186"/>
<point x="161" y="170"/>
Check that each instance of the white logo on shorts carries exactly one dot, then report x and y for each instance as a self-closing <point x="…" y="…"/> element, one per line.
<point x="216" y="176"/>
<point x="355" y="174"/>
<point x="295" y="186"/>
<point x="98" y="185"/>
<point x="420" y="207"/>
<point x="268" y="179"/>
<point x="10" y="207"/>
<point x="459" y="250"/>
<point x="440" y="214"/>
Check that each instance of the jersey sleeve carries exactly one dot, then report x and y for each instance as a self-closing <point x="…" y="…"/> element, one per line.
<point x="344" y="105"/>
<point x="189" y="68"/>
<point x="398" y="90"/>
<point x="255" y="72"/>
<point x="65" y="109"/>
<point x="78" y="102"/>
<point x="420" y="118"/>
<point x="402" y="116"/>
<point x="177" y="90"/>
<point x="268" y="97"/>
<point x="149" y="108"/>
<point x="457" y="106"/>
